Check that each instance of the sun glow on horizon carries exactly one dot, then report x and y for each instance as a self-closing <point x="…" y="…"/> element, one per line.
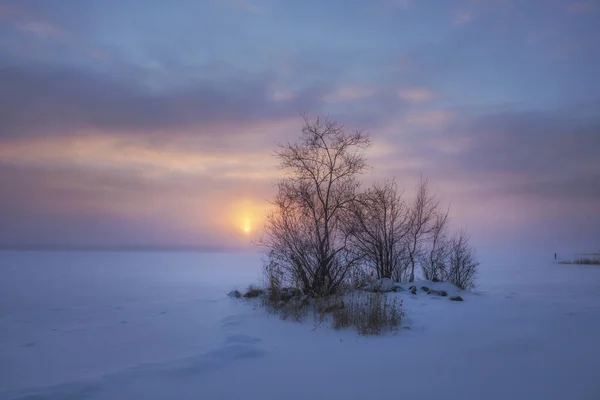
<point x="247" y="215"/>
<point x="247" y="226"/>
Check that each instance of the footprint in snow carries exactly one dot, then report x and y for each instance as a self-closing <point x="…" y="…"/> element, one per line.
<point x="238" y="338"/>
<point x="230" y="321"/>
<point x="218" y="357"/>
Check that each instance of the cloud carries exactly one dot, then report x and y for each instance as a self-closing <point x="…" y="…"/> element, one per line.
<point x="245" y="5"/>
<point x="584" y="187"/>
<point x="222" y="143"/>
<point x="349" y="93"/>
<point x="36" y="25"/>
<point x="283" y="95"/>
<point x="401" y="64"/>
<point x="39" y="28"/>
<point x="101" y="152"/>
<point x="547" y="155"/>
<point x="462" y="17"/>
<point x="417" y="95"/>
<point x="582" y="7"/>
<point x="29" y="22"/>
<point x="158" y="133"/>
<point x="402" y="4"/>
<point x="506" y="172"/>
<point x="490" y="2"/>
<point x="536" y="156"/>
<point x="532" y="143"/>
<point x="65" y="101"/>
<point x="432" y="118"/>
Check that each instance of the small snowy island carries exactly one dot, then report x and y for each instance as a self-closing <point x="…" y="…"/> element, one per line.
<point x="336" y="249"/>
<point x="374" y="308"/>
<point x="583" y="259"/>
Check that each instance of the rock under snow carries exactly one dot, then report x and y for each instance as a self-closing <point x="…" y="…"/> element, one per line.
<point x="386" y="285"/>
<point x="381" y="286"/>
<point x="456" y="298"/>
<point x="438" y="293"/>
<point x="234" y="294"/>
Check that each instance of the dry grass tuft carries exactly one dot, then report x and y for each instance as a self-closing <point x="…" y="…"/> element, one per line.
<point x="284" y="303"/>
<point x="368" y="313"/>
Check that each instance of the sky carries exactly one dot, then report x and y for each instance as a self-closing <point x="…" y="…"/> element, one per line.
<point x="153" y="123"/>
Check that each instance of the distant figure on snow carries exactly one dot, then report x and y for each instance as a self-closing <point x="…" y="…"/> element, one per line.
<point x="554" y="256"/>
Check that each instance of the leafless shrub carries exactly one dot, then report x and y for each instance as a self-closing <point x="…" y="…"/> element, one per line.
<point x="305" y="236"/>
<point x="422" y="216"/>
<point x="402" y="271"/>
<point x="434" y="257"/>
<point x="378" y="227"/>
<point x="462" y="262"/>
<point x="583" y="261"/>
<point x="277" y="301"/>
<point x="360" y="276"/>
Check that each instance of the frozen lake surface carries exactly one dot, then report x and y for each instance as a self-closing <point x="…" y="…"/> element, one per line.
<point x="87" y="325"/>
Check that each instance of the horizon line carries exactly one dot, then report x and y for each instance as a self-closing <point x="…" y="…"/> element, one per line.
<point x="128" y="248"/>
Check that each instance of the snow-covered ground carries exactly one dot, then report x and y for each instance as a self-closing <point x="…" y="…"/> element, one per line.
<point x="160" y="326"/>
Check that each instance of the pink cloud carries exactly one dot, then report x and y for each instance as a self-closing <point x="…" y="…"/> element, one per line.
<point x="283" y="95"/>
<point x="28" y="22"/>
<point x="349" y="93"/>
<point x="33" y="24"/>
<point x="99" y="151"/>
<point x="8" y="11"/>
<point x="402" y="64"/>
<point x="489" y="2"/>
<point x="417" y="95"/>
<point x="433" y="118"/>
<point x="246" y="5"/>
<point x="581" y="7"/>
<point x="40" y="28"/>
<point x="462" y="17"/>
<point x="404" y="4"/>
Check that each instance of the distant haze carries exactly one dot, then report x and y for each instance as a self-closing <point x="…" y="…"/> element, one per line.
<point x="151" y="123"/>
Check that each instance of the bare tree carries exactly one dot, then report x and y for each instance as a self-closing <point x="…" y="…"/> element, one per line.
<point x="421" y="220"/>
<point x="434" y="258"/>
<point x="305" y="236"/>
<point x="378" y="228"/>
<point x="462" y="261"/>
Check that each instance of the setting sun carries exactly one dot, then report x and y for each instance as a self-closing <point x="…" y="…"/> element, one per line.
<point x="246" y="228"/>
<point x="246" y="216"/>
